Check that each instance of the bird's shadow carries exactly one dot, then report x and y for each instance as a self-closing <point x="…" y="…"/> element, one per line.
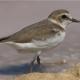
<point x="20" y="69"/>
<point x="26" y="68"/>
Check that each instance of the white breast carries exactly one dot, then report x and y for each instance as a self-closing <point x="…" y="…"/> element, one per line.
<point x="50" y="42"/>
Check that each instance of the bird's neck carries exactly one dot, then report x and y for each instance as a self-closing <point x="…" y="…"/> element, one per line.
<point x="62" y="25"/>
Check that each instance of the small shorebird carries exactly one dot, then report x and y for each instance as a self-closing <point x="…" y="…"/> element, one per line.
<point x="42" y="35"/>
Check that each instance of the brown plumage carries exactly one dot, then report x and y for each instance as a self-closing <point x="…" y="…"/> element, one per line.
<point x="37" y="31"/>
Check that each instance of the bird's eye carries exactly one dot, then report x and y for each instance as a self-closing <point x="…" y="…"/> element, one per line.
<point x="64" y="16"/>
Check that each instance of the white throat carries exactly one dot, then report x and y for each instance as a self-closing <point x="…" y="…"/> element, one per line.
<point x="63" y="25"/>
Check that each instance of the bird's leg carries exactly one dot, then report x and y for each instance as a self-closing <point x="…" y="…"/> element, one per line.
<point x="38" y="60"/>
<point x="32" y="63"/>
<point x="36" y="57"/>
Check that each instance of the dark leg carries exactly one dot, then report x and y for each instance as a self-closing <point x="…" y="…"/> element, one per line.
<point x="32" y="63"/>
<point x="38" y="60"/>
<point x="35" y="58"/>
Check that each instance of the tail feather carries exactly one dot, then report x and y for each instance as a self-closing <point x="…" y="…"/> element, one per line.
<point x="4" y="39"/>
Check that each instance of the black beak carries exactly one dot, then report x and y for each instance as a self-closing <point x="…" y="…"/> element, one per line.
<point x="75" y="20"/>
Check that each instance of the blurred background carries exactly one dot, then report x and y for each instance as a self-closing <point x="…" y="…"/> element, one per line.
<point x="15" y="15"/>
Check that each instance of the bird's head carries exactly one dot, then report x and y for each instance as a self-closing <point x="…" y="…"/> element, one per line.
<point x="62" y="17"/>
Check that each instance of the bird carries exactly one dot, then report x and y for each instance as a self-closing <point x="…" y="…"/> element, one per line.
<point x="45" y="34"/>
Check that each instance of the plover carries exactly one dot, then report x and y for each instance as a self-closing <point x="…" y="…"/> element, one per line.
<point x="45" y="34"/>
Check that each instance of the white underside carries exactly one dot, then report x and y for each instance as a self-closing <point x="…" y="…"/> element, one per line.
<point x="48" y="43"/>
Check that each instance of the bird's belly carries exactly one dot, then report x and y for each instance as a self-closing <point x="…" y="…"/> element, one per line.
<point x="41" y="44"/>
<point x="51" y="42"/>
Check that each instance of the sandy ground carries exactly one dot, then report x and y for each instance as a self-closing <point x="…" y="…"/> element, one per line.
<point x="71" y="74"/>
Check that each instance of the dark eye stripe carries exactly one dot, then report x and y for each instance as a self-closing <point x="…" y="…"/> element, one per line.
<point x="64" y="16"/>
